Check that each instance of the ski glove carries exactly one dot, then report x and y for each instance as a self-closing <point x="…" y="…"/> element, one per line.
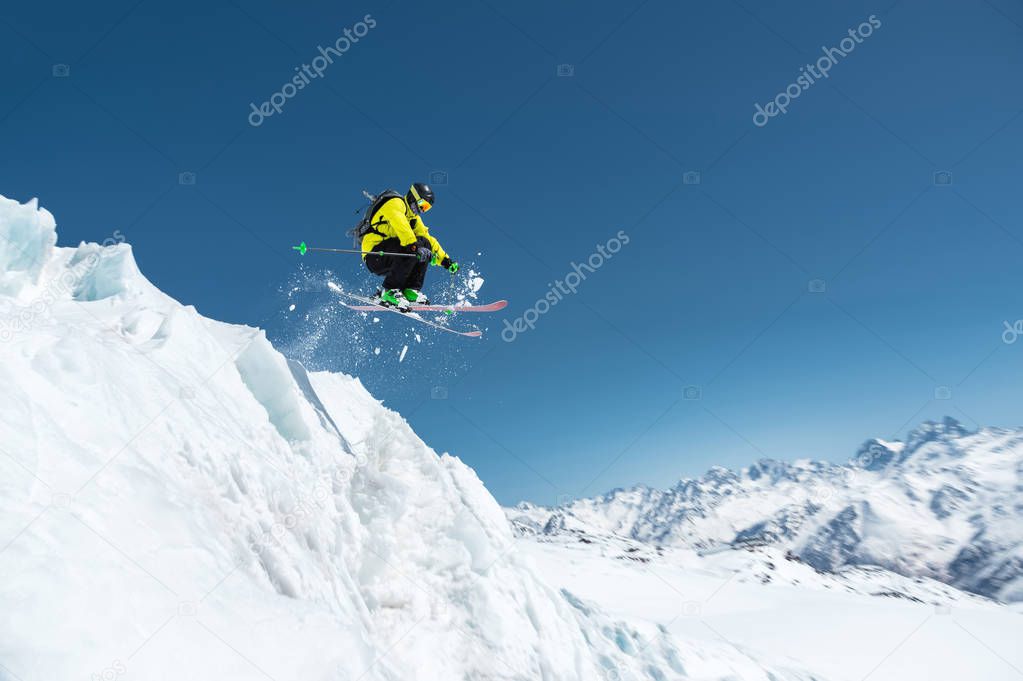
<point x="450" y="266"/>
<point x="423" y="254"/>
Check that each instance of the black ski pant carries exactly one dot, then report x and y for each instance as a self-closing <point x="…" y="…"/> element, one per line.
<point x="398" y="272"/>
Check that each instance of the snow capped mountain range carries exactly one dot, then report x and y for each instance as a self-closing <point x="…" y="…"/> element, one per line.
<point x="945" y="504"/>
<point x="180" y="501"/>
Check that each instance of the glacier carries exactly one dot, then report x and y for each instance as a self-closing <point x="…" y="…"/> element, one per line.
<point x="178" y="500"/>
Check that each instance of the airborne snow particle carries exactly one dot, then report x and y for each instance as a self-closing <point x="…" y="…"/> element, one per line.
<point x="291" y="308"/>
<point x="401" y="358"/>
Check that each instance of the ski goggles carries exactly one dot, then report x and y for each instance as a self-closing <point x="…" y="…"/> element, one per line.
<point x="423" y="205"/>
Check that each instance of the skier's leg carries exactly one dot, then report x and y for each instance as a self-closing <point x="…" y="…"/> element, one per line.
<point x="380" y="264"/>
<point x="399" y="272"/>
<point x="377" y="264"/>
<point x="394" y="270"/>
<point x="418" y="274"/>
<point x="407" y="273"/>
<point x="391" y="268"/>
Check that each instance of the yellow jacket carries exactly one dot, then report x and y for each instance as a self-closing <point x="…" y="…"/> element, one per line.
<point x="394" y="219"/>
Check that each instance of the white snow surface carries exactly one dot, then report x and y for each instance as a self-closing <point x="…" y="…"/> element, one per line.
<point x="860" y="625"/>
<point x="180" y="501"/>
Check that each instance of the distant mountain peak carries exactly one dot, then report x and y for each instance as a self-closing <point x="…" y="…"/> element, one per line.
<point x="946" y="513"/>
<point x="948" y="428"/>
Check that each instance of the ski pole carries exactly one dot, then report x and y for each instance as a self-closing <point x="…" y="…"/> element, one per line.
<point x="303" y="249"/>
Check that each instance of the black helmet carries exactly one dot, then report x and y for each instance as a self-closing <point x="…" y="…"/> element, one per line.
<point x="420" y="197"/>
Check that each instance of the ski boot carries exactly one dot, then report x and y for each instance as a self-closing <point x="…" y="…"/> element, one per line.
<point x="393" y="297"/>
<point x="416" y="297"/>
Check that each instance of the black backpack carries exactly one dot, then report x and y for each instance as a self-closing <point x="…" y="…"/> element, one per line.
<point x="366" y="225"/>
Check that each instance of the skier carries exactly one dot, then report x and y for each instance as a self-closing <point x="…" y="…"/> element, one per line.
<point x="395" y="230"/>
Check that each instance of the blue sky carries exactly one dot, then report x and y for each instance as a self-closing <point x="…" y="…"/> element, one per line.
<point x="713" y="290"/>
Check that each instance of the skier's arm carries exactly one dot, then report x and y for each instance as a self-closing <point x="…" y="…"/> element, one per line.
<point x="435" y="246"/>
<point x="393" y="212"/>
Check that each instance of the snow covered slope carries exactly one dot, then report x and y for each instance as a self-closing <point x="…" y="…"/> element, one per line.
<point x="179" y="501"/>
<point x="827" y="623"/>
<point x="946" y="504"/>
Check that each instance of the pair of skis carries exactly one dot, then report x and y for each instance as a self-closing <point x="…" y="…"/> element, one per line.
<point x="371" y="305"/>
